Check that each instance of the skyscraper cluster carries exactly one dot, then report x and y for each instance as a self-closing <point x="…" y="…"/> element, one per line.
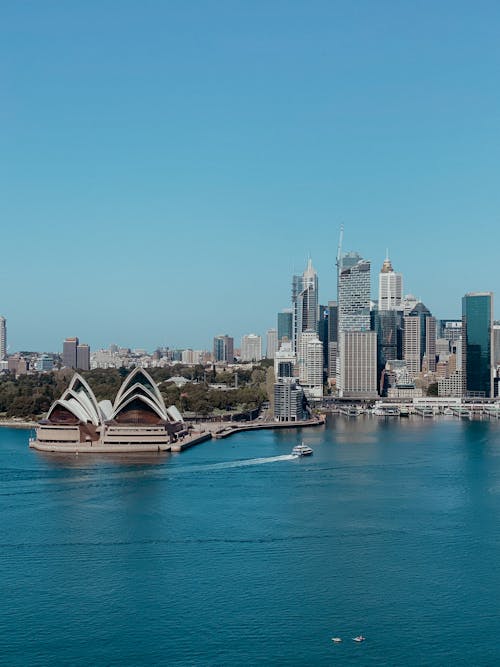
<point x="392" y="346"/>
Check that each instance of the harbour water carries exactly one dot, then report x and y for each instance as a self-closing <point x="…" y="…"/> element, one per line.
<point x="235" y="553"/>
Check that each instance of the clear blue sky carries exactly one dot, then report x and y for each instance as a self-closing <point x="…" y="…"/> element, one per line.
<point x="165" y="166"/>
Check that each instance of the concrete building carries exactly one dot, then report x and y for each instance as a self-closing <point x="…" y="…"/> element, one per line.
<point x="451" y="385"/>
<point x="451" y="329"/>
<point x="310" y="363"/>
<point x="408" y="304"/>
<point x="358" y="364"/>
<point x="285" y="355"/>
<point x="251" y="348"/>
<point x="44" y="363"/>
<point x="192" y="357"/>
<point x="83" y="357"/>
<point x="69" y="352"/>
<point x="288" y="401"/>
<point x="333" y="328"/>
<point x="412" y="345"/>
<point x="271" y="343"/>
<point x="430" y="343"/>
<point x="17" y="364"/>
<point x="477" y="344"/>
<point x="223" y="348"/>
<point x="3" y="338"/>
<point x="390" y="287"/>
<point x="496" y="343"/>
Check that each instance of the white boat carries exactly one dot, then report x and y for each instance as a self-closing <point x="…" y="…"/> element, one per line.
<point x="336" y="640"/>
<point x="359" y="638"/>
<point x="302" y="450"/>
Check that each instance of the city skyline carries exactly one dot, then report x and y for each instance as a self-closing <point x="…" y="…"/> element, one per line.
<point x="271" y="322"/>
<point x="213" y="148"/>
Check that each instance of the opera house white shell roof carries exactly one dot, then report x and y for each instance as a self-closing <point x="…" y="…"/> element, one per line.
<point x="138" y="401"/>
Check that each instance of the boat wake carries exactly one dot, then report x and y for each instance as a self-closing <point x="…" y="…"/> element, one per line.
<point x="249" y="462"/>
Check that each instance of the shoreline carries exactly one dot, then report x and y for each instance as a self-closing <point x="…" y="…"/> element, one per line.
<point x="18" y="423"/>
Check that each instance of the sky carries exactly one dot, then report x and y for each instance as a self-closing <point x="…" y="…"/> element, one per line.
<point x="166" y="166"/>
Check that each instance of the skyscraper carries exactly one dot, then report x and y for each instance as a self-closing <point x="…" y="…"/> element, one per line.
<point x="83" y="357"/>
<point x="271" y="343"/>
<point x="390" y="287"/>
<point x="223" y="348"/>
<point x="3" y="338"/>
<point x="333" y="326"/>
<point x="251" y="348"/>
<point x="310" y="363"/>
<point x="477" y="343"/>
<point x="69" y="352"/>
<point x="285" y="325"/>
<point x="354" y="295"/>
<point x="419" y="324"/>
<point x="305" y="302"/>
<point x="358" y="364"/>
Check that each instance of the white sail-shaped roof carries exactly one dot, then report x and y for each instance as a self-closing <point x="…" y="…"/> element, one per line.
<point x="80" y="400"/>
<point x="144" y="399"/>
<point x="139" y="376"/>
<point x="174" y="414"/>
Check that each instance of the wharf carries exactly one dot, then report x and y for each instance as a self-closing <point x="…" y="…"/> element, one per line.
<point x="190" y="441"/>
<point x="229" y="430"/>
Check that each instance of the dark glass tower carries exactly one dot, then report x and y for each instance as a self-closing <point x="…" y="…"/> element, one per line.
<point x="477" y="343"/>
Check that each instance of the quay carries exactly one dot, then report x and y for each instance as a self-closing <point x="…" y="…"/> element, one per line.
<point x="256" y="426"/>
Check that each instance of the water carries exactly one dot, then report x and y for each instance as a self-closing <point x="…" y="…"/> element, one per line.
<point x="235" y="553"/>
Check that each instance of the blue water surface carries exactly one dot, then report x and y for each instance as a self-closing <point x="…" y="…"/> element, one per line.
<point x="233" y="553"/>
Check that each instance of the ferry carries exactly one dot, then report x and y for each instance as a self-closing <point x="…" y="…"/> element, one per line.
<point x="302" y="450"/>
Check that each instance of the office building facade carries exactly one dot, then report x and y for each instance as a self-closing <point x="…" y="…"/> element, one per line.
<point x="390" y="287"/>
<point x="223" y="349"/>
<point x="251" y="348"/>
<point x="477" y="344"/>
<point x="3" y="338"/>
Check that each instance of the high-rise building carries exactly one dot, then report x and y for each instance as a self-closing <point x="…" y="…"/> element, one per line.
<point x="358" y="364"/>
<point x="477" y="343"/>
<point x="390" y="287"/>
<point x="288" y="400"/>
<point x="389" y="327"/>
<point x="323" y="314"/>
<point x="496" y="343"/>
<point x="251" y="348"/>
<point x="310" y="363"/>
<point x="408" y="304"/>
<point x="354" y="296"/>
<point x="285" y="355"/>
<point x="285" y="325"/>
<point x="271" y="343"/>
<point x="412" y="345"/>
<point x="223" y="349"/>
<point x="416" y="324"/>
<point x="451" y="329"/>
<point x="3" y="338"/>
<point x="69" y="359"/>
<point x="305" y="302"/>
<point x="83" y="357"/>
<point x="430" y="343"/>
<point x="333" y="325"/>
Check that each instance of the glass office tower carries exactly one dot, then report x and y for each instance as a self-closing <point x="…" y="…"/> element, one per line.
<point x="477" y="344"/>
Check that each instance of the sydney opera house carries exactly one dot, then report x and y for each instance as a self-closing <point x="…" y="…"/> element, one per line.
<point x="137" y="420"/>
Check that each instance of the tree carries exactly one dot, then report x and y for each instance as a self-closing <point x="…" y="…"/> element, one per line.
<point x="432" y="389"/>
